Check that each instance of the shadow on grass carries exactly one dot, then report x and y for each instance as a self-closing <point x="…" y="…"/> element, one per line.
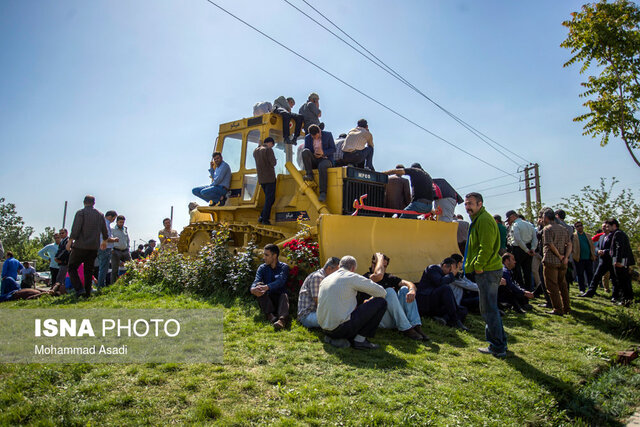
<point x="576" y="405"/>
<point x="618" y="323"/>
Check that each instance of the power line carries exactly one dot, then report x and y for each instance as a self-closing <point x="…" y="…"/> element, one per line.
<point x="358" y="90"/>
<point x="502" y="194"/>
<point x="381" y="64"/>
<point x="497" y="186"/>
<point x="486" y="180"/>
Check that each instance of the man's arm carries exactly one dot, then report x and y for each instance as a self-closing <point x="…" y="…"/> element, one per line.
<point x="411" y="295"/>
<point x="378" y="271"/>
<point x="331" y="145"/>
<point x="568" y="249"/>
<point x="406" y="192"/>
<point x="485" y="242"/>
<point x="271" y="157"/>
<point x="367" y="286"/>
<point x="534" y="240"/>
<point x="258" y="288"/>
<point x="517" y="237"/>
<point x="78" y="222"/>
<point x="43" y="254"/>
<point x="398" y="172"/>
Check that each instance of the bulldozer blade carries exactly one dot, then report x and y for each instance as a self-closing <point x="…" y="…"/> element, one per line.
<point x="412" y="245"/>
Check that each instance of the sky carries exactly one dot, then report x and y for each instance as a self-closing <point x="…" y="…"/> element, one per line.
<point x="123" y="100"/>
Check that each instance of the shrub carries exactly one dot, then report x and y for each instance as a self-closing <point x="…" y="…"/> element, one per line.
<point x="303" y="258"/>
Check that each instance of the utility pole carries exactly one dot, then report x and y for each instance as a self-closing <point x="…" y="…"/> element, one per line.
<point x="531" y="182"/>
<point x="64" y="215"/>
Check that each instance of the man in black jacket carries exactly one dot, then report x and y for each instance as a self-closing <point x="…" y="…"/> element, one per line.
<point x="622" y="258"/>
<point x="605" y="264"/>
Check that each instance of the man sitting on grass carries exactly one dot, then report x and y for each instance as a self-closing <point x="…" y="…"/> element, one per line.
<point x="308" y="297"/>
<point x="510" y="293"/>
<point x="269" y="287"/>
<point x="338" y="315"/>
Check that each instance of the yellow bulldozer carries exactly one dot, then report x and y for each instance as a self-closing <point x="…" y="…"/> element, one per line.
<point x="411" y="244"/>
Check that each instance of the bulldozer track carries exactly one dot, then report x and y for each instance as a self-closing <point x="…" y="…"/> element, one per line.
<point x="251" y="232"/>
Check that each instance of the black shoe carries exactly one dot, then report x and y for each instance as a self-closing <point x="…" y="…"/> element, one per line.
<point x="308" y="177"/>
<point x="337" y="342"/>
<point x="418" y="329"/>
<point x="364" y="345"/>
<point x="527" y="307"/>
<point x="518" y="309"/>
<point x="461" y="326"/>
<point x="412" y="334"/>
<point x="266" y="222"/>
<point x="588" y="294"/>
<point x="322" y="197"/>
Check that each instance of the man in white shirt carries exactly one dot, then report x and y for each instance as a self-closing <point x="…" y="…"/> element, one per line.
<point x="521" y="242"/>
<point x="358" y="146"/>
<point x="120" y="252"/>
<point x="337" y="313"/>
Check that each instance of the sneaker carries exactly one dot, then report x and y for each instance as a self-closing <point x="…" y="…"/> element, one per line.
<point x="337" y="342"/>
<point x="365" y="345"/>
<point x="487" y="350"/>
<point x="322" y="197"/>
<point x="587" y="294"/>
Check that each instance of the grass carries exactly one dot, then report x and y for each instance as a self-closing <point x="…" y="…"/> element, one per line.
<point x="559" y="374"/>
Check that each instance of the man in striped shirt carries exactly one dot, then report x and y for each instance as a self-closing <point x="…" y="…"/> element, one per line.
<point x="308" y="297"/>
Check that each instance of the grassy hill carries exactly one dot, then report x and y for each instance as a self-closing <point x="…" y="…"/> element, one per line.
<point x="558" y="374"/>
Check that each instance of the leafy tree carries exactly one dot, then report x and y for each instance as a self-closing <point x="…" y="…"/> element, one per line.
<point x="607" y="37"/>
<point x="593" y="206"/>
<point x="16" y="236"/>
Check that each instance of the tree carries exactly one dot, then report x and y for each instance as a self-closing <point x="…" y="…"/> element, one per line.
<point x="16" y="236"/>
<point x="594" y="205"/>
<point x="607" y="36"/>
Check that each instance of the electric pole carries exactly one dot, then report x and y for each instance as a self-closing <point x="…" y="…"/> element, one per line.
<point x="531" y="182"/>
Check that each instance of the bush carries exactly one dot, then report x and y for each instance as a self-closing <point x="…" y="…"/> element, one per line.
<point x="214" y="270"/>
<point x="303" y="259"/>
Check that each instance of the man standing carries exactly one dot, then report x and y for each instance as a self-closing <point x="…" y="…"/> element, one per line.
<point x="622" y="258"/>
<point x="435" y="296"/>
<point x="308" y="296"/>
<point x="311" y="113"/>
<point x="521" y="242"/>
<point x="221" y="181"/>
<point x="605" y="264"/>
<point x="503" y="234"/>
<point x="358" y="146"/>
<point x="397" y="192"/>
<point x="167" y="236"/>
<point x="283" y="107"/>
<point x="48" y="253"/>
<point x="483" y="259"/>
<point x="341" y="319"/>
<point x="104" y="255"/>
<point x="318" y="154"/>
<point x="270" y="287"/>
<point x="62" y="257"/>
<point x="265" y="166"/>
<point x="584" y="254"/>
<point x="447" y="198"/>
<point x="422" y="186"/>
<point x="120" y="252"/>
<point x="84" y="241"/>
<point x="402" y="309"/>
<point x="557" y="249"/>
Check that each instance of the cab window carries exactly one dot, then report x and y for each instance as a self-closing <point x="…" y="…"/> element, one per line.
<point x="253" y="140"/>
<point x="231" y="150"/>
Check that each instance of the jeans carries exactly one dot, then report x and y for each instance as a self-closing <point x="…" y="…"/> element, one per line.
<point x="441" y="302"/>
<point x="104" y="258"/>
<point x="364" y="320"/>
<point x="417" y="207"/>
<point x="488" y="284"/>
<point x="448" y="206"/>
<point x="310" y="320"/>
<point x="584" y="267"/>
<point x="365" y="155"/>
<point x="210" y="193"/>
<point x="311" y="162"/>
<point x="400" y="314"/>
<point x="269" y="197"/>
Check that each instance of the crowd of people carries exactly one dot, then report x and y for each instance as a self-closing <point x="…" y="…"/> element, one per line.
<point x="97" y="244"/>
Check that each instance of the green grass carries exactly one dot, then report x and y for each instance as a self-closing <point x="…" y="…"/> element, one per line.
<point x="559" y="374"/>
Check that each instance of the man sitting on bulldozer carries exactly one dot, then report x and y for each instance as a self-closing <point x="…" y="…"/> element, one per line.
<point x="221" y="174"/>
<point x="318" y="154"/>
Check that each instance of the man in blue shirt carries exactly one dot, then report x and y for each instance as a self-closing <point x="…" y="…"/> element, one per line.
<point x="510" y="291"/>
<point x="10" y="270"/>
<point x="435" y="297"/>
<point x="48" y="253"/>
<point x="221" y="174"/>
<point x="318" y="154"/>
<point x="270" y="287"/>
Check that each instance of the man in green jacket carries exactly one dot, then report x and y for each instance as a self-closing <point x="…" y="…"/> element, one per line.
<point x="482" y="258"/>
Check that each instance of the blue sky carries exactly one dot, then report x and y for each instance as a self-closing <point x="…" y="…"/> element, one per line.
<point x="123" y="99"/>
